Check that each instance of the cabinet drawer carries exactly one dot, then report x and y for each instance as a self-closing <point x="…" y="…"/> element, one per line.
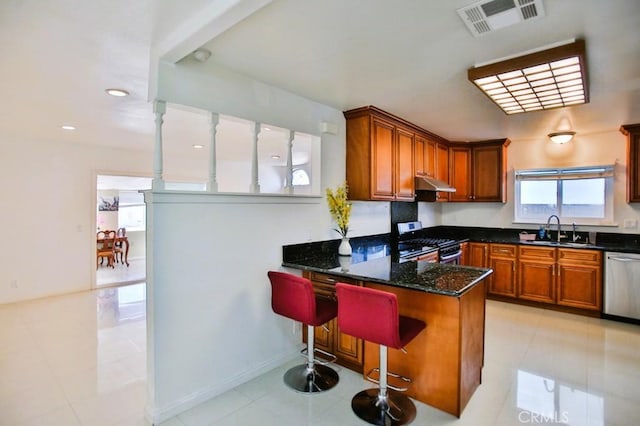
<point x="546" y="253"/>
<point x="324" y="290"/>
<point x="593" y="257"/>
<point x="330" y="279"/>
<point x="504" y="250"/>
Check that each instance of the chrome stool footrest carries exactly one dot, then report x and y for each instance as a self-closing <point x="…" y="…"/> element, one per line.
<point x="372" y="379"/>
<point x="332" y="358"/>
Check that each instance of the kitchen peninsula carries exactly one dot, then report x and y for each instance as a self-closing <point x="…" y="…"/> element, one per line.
<point x="445" y="360"/>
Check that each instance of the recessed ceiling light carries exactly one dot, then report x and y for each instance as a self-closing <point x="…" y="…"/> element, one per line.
<point x="68" y="127"/>
<point x="198" y="146"/>
<point x="554" y="77"/>
<point x="275" y="156"/>
<point x="117" y="92"/>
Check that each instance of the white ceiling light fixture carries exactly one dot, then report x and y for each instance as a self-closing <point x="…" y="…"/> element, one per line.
<point x="197" y="146"/>
<point x="67" y="127"/>
<point x="540" y="80"/>
<point x="561" y="137"/>
<point x="119" y="93"/>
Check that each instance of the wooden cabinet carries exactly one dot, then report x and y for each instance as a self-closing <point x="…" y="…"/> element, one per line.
<point x="537" y="272"/>
<point x="464" y="253"/>
<point x="478" y="255"/>
<point x="348" y="350"/>
<point x="503" y="259"/>
<point x="380" y="156"/>
<point x="580" y="278"/>
<point x="632" y="132"/>
<point x="424" y="154"/>
<point x="442" y="168"/>
<point x="460" y="173"/>
<point x="478" y="171"/>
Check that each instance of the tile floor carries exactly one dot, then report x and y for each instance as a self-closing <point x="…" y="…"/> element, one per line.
<point x="121" y="274"/>
<point x="80" y="360"/>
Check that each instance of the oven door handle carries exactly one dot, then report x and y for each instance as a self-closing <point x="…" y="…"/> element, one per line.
<point x="451" y="256"/>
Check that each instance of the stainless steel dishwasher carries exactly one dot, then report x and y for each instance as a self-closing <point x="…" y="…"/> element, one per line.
<point x="622" y="285"/>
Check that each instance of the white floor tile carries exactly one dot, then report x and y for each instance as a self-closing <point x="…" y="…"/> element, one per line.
<point x="81" y="360"/>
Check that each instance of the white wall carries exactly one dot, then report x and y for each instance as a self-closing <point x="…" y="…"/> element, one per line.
<point x="210" y="323"/>
<point x="595" y="149"/>
<point x="48" y="210"/>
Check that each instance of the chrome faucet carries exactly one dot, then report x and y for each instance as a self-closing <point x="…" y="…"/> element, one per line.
<point x="549" y="221"/>
<point x="574" y="236"/>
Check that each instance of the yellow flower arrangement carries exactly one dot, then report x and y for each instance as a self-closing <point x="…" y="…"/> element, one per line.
<point x="339" y="208"/>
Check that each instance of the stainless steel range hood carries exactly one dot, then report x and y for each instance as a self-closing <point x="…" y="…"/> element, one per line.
<point x="427" y="183"/>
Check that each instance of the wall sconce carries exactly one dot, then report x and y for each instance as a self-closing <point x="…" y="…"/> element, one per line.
<point x="561" y="137"/>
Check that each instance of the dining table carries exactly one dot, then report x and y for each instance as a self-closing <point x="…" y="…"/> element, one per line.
<point x="123" y="242"/>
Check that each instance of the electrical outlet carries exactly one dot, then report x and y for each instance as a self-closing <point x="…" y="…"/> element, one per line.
<point x="630" y="223"/>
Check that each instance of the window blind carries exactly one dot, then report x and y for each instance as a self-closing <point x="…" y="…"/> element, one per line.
<point x="591" y="172"/>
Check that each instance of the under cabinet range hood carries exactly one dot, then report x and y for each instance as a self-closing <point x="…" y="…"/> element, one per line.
<point x="427" y="183"/>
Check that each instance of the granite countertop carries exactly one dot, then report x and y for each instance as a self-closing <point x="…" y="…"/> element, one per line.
<point x="374" y="261"/>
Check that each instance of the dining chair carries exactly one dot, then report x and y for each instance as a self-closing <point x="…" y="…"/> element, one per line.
<point x="106" y="241"/>
<point x="120" y="233"/>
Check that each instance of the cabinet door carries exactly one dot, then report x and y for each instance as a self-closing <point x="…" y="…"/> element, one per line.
<point x="633" y="162"/>
<point x="460" y="173"/>
<point x="479" y="254"/>
<point x="502" y="259"/>
<point x="348" y="349"/>
<point x="419" y="155"/>
<point x="503" y="280"/>
<point x="430" y="158"/>
<point x="442" y="169"/>
<point x="404" y="172"/>
<point x="537" y="280"/>
<point x="382" y="167"/>
<point x="580" y="279"/>
<point x="537" y="273"/>
<point x="488" y="173"/>
<point x="464" y="256"/>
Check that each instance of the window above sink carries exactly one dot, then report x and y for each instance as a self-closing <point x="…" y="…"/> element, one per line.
<point x="581" y="195"/>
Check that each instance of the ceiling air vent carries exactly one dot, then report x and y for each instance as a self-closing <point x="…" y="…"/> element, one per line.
<point x="486" y="16"/>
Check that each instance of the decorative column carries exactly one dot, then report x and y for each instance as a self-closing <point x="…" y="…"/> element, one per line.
<point x="159" y="109"/>
<point x="255" y="186"/>
<point x="289" y="179"/>
<point x="213" y="183"/>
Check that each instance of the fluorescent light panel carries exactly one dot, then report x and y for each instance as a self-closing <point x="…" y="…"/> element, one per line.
<point x="547" y="79"/>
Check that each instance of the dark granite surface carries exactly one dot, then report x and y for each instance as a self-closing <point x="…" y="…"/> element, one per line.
<point x="629" y="243"/>
<point x="374" y="260"/>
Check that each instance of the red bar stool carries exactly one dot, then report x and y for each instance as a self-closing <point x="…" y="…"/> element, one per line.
<point x="373" y="315"/>
<point x="293" y="297"/>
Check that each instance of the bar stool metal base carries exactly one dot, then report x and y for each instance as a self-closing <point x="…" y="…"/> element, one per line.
<point x="395" y="409"/>
<point x="318" y="379"/>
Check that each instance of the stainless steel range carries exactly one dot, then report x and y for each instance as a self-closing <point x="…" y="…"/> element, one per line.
<point x="412" y="244"/>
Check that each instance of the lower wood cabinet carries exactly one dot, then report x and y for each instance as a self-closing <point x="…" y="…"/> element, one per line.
<point x="537" y="272"/>
<point x="580" y="279"/>
<point x="478" y="255"/>
<point x="502" y="259"/>
<point x="560" y="277"/>
<point x="348" y="350"/>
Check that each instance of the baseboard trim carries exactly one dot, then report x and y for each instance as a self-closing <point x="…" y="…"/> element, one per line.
<point x="157" y="415"/>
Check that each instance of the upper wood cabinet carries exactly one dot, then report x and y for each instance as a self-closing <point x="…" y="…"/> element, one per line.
<point x="424" y="156"/>
<point x="632" y="132"/>
<point x="478" y="171"/>
<point x="380" y="156"/>
<point x="441" y="165"/>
